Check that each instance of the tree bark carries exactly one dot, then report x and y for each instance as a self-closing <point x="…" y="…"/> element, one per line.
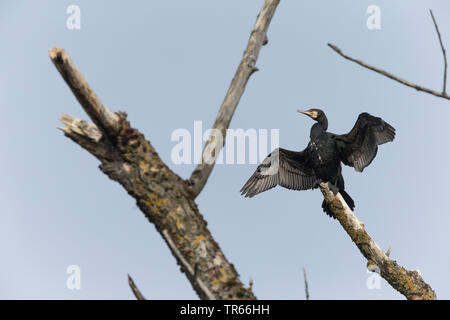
<point x="408" y="283"/>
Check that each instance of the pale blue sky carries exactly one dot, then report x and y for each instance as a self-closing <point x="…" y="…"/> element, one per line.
<point x="169" y="63"/>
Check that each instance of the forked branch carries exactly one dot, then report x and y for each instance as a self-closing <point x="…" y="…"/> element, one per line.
<point x="168" y="201"/>
<point x="442" y="94"/>
<point x="390" y="75"/>
<point x="164" y="198"/>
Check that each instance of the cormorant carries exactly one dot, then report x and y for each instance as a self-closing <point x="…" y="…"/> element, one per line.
<point x="321" y="160"/>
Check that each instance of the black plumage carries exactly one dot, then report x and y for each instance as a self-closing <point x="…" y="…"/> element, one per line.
<point x="321" y="160"/>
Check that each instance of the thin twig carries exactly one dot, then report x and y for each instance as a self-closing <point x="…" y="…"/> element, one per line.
<point x="443" y="52"/>
<point x="135" y="289"/>
<point x="258" y="38"/>
<point x="390" y="75"/>
<point x="306" y="284"/>
<point x="408" y="283"/>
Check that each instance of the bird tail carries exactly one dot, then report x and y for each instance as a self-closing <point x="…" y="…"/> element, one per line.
<point x="326" y="208"/>
<point x="348" y="199"/>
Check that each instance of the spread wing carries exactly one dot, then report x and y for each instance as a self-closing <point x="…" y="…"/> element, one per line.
<point x="282" y="167"/>
<point x="359" y="147"/>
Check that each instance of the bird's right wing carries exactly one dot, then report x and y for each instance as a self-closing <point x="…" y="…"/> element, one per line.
<point x="359" y="147"/>
<point x="282" y="167"/>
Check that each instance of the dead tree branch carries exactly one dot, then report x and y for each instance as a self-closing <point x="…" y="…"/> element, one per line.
<point x="168" y="201"/>
<point x="164" y="198"/>
<point x="306" y="284"/>
<point x="126" y="157"/>
<point x="390" y="75"/>
<point x="135" y="289"/>
<point x="443" y="52"/>
<point x="408" y="283"/>
<point x="246" y="68"/>
<point x="442" y="94"/>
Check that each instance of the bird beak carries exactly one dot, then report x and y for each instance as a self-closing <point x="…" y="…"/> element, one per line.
<point x="308" y="113"/>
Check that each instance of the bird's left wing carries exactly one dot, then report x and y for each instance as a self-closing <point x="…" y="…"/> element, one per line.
<point x="359" y="147"/>
<point x="282" y="167"/>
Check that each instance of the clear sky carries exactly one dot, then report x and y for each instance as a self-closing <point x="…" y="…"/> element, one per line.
<point x="169" y="63"/>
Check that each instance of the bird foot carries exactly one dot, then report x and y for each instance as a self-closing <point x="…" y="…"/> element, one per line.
<point x="333" y="188"/>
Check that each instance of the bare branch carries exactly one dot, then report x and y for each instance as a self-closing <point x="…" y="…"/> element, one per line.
<point x="105" y="119"/>
<point x="390" y="75"/>
<point x="246" y="68"/>
<point x="443" y="52"/>
<point x="408" y="283"/>
<point x="306" y="284"/>
<point x="135" y="289"/>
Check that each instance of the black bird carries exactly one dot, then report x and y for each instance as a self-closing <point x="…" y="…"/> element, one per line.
<point x="321" y="160"/>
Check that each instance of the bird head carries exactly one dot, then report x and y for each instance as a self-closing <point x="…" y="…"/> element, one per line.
<point x="318" y="115"/>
